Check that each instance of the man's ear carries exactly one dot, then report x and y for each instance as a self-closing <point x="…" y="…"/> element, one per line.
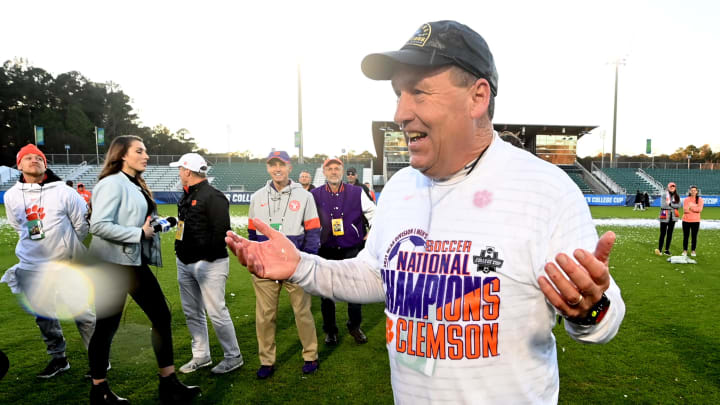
<point x="480" y="98"/>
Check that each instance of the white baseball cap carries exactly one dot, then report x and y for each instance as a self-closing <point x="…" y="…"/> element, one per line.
<point x="193" y="162"/>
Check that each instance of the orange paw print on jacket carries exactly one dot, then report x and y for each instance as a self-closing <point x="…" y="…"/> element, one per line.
<point x="389" y="335"/>
<point x="35" y="212"/>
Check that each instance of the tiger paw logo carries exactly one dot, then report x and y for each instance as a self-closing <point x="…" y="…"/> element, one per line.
<point x="35" y="212"/>
<point x="389" y="335"/>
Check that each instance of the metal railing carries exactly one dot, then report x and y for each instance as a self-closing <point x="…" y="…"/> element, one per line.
<point x="605" y="179"/>
<point x="660" y="165"/>
<point x="76" y="158"/>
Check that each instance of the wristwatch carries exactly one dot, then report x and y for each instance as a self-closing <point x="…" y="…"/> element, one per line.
<point x="596" y="314"/>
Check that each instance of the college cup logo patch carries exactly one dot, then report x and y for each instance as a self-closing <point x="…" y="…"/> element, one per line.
<point x="489" y="260"/>
<point x="421" y="36"/>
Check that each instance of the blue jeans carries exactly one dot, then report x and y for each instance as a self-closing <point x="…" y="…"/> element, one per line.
<point x="43" y="301"/>
<point x="202" y="288"/>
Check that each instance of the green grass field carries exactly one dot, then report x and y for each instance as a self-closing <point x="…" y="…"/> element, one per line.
<point x="665" y="352"/>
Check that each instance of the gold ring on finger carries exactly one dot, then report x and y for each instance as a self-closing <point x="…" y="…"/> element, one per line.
<point x="576" y="303"/>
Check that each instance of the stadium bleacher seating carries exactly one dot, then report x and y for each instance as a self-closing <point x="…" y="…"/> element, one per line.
<point x="629" y="179"/>
<point x="578" y="179"/>
<point x="253" y="176"/>
<point x="8" y="183"/>
<point x="246" y="176"/>
<point x="89" y="178"/>
<point x="576" y="176"/>
<point x="708" y="181"/>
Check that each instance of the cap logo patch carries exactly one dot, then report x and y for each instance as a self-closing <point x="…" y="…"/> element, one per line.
<point x="421" y="36"/>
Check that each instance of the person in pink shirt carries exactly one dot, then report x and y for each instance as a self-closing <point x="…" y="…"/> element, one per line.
<point x="692" y="207"/>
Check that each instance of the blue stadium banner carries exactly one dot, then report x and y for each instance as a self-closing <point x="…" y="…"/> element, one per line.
<point x="39" y="135"/>
<point x="243" y="198"/>
<point x="238" y="197"/>
<point x="100" y="136"/>
<point x="605" y="199"/>
<point x="648" y="147"/>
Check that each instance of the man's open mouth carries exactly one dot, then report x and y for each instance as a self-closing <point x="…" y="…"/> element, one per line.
<point x="415" y="136"/>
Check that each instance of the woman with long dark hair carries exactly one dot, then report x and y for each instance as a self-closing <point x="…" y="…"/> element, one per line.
<point x="692" y="207"/>
<point x="669" y="214"/>
<point x="124" y="239"/>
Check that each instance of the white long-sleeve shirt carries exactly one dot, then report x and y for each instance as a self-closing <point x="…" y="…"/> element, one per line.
<point x="64" y="219"/>
<point x="457" y="265"/>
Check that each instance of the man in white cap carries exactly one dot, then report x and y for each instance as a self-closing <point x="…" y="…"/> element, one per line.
<point x="203" y="265"/>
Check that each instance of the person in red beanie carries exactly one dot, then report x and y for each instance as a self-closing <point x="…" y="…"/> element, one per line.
<point x="51" y="222"/>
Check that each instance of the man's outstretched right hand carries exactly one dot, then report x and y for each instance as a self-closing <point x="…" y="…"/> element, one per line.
<point x="274" y="259"/>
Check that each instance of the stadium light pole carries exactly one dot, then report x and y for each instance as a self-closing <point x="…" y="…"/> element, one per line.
<point x="613" y="157"/>
<point x="301" y="160"/>
<point x="97" y="148"/>
<point x="602" y="157"/>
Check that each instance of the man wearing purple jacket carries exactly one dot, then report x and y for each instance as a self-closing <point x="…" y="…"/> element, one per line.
<point x="341" y="207"/>
<point x="288" y="208"/>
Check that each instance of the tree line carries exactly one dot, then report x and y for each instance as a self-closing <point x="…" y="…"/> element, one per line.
<point x="702" y="154"/>
<point x="69" y="107"/>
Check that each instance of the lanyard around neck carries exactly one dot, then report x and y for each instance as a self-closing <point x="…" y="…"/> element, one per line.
<point x="282" y="220"/>
<point x="39" y="204"/>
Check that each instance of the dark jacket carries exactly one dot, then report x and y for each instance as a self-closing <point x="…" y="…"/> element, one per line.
<point x="365" y="189"/>
<point x="206" y="215"/>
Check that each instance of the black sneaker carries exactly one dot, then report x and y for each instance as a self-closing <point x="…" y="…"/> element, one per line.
<point x="56" y="365"/>
<point x="265" y="371"/>
<point x="359" y="336"/>
<point x="331" y="339"/>
<point x="310" y="367"/>
<point x="667" y="253"/>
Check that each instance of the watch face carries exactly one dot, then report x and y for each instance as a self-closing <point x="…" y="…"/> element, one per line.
<point x="596" y="314"/>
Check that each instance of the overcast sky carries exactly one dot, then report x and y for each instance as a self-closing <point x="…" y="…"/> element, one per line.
<point x="227" y="71"/>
